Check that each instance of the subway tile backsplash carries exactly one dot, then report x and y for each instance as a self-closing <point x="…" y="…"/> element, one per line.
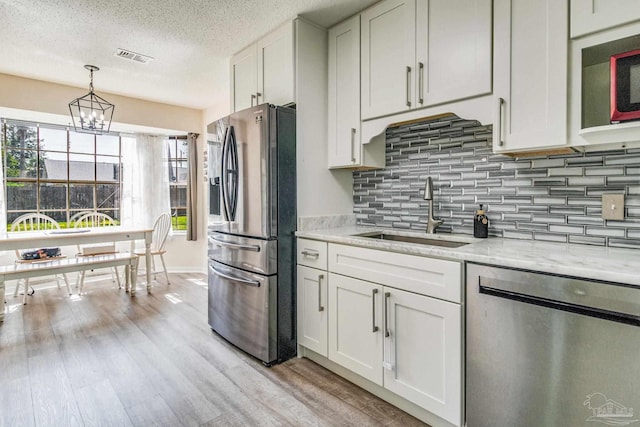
<point x="552" y="198"/>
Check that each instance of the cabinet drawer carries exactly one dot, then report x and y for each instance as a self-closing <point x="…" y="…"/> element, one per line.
<point x="312" y="253"/>
<point x="427" y="276"/>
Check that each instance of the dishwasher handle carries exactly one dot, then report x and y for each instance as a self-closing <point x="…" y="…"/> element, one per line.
<point x="612" y="301"/>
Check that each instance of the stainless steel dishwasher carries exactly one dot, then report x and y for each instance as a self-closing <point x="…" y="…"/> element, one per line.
<point x="547" y="350"/>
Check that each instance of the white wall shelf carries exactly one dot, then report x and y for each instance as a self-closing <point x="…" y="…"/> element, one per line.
<point x="589" y="111"/>
<point x="614" y="133"/>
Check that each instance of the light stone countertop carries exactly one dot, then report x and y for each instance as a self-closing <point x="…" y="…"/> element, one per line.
<point x="591" y="262"/>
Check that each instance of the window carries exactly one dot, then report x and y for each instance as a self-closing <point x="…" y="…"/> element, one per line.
<point x="58" y="172"/>
<point x="176" y="150"/>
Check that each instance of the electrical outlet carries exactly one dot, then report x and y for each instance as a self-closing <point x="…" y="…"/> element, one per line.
<point x="613" y="206"/>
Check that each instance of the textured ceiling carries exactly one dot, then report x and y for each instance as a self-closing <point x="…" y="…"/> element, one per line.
<point x="191" y="41"/>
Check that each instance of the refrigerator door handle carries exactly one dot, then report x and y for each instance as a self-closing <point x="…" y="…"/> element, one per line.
<point x="235" y="279"/>
<point x="234" y="172"/>
<point x="253" y="248"/>
<point x="230" y="174"/>
<point x="223" y="176"/>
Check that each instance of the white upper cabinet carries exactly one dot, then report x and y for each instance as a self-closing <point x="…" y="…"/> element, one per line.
<point x="589" y="16"/>
<point x="276" y="84"/>
<point x="419" y="53"/>
<point x="530" y="74"/>
<point x="388" y="57"/>
<point x="263" y="72"/>
<point x="453" y="50"/>
<point x="344" y="94"/>
<point x="244" y="79"/>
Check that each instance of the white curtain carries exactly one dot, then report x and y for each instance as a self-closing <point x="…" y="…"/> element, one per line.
<point x="3" y="204"/>
<point x="145" y="180"/>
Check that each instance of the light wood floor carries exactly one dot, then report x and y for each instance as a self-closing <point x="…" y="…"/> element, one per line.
<point x="105" y="359"/>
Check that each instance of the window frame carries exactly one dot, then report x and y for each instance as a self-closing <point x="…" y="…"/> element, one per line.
<point x="67" y="183"/>
<point x="173" y="163"/>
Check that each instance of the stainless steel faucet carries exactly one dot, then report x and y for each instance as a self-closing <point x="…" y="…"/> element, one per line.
<point x="432" y="223"/>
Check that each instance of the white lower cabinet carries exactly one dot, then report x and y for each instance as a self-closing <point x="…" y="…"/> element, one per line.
<point x="400" y="327"/>
<point x="410" y="344"/>
<point x="311" y="310"/>
<point x="355" y="338"/>
<point x="422" y="354"/>
<point x="311" y="295"/>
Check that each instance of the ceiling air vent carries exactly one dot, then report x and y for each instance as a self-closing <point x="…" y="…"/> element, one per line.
<point x="137" y="57"/>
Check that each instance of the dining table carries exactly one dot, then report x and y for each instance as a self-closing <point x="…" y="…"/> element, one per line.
<point x="81" y="236"/>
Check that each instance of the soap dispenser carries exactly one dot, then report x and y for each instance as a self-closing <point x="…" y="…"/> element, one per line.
<point x="480" y="224"/>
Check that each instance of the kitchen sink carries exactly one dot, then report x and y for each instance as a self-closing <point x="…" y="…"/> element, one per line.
<point x="413" y="239"/>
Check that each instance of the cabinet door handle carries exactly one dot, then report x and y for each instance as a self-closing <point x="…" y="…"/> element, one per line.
<point x="310" y="253"/>
<point x="387" y="296"/>
<point x="408" y="86"/>
<point x="374" y="292"/>
<point x="388" y="346"/>
<point x="421" y="83"/>
<point x="353" y="140"/>
<point x="253" y="97"/>
<point x="258" y="95"/>
<point x="501" y="103"/>
<point x="320" y="277"/>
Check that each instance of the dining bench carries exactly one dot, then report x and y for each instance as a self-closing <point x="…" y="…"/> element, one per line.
<point x="66" y="265"/>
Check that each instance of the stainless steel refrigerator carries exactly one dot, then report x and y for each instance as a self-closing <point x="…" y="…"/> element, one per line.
<point x="251" y="240"/>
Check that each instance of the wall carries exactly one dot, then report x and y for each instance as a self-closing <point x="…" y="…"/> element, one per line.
<point x="320" y="191"/>
<point x="37" y="96"/>
<point x="551" y="198"/>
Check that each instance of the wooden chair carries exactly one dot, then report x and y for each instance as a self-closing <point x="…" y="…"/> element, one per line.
<point x="159" y="240"/>
<point x="34" y="222"/>
<point x="91" y="220"/>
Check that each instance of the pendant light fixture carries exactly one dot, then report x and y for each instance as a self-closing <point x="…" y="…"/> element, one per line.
<point x="91" y="113"/>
